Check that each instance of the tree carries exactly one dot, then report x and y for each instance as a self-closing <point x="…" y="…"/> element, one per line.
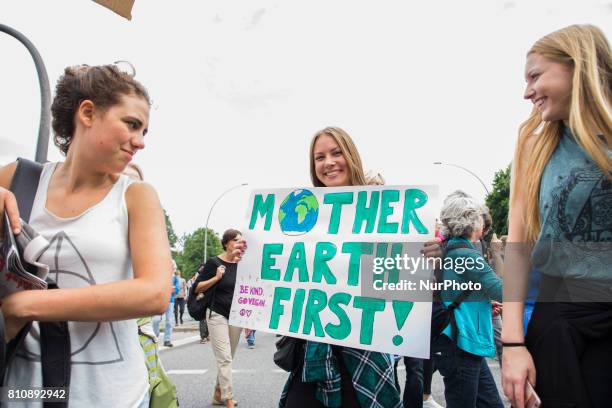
<point x="498" y="201"/>
<point x="170" y="231"/>
<point x="192" y="255"/>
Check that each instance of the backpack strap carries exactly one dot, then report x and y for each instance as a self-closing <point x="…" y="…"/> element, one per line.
<point x="2" y="349"/>
<point x="461" y="297"/>
<point x="54" y="336"/>
<point x="214" y="288"/>
<point x="24" y="185"/>
<point x="451" y="308"/>
<point x="55" y="355"/>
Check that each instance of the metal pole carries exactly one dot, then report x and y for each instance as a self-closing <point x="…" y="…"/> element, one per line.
<point x="42" y="146"/>
<point x="467" y="170"/>
<point x="210" y="212"/>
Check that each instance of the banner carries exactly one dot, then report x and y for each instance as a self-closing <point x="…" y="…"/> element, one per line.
<point x="302" y="273"/>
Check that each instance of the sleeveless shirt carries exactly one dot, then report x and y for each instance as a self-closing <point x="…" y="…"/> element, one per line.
<point x="108" y="366"/>
<point x="576" y="212"/>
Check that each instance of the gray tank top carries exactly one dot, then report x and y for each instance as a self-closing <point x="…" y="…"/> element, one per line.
<point x="576" y="215"/>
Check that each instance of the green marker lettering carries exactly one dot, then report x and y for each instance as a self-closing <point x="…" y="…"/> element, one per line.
<point x="267" y="262"/>
<point x="337" y="200"/>
<point x="388" y="197"/>
<point x="261" y="208"/>
<point x="413" y="199"/>
<point x="341" y="330"/>
<point x="296" y="311"/>
<point x="297" y="260"/>
<point x="324" y="252"/>
<point x="317" y="301"/>
<point x="278" y="310"/>
<point x="365" y="213"/>
<point x="382" y="252"/>
<point x="369" y="307"/>
<point x="356" y="249"/>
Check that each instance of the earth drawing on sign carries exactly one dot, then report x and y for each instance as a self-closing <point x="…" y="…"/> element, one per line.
<point x="298" y="212"/>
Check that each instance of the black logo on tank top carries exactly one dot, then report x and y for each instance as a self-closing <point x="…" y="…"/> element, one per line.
<point x="593" y="222"/>
<point x="68" y="265"/>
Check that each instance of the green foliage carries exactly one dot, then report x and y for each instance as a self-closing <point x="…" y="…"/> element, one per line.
<point x="498" y="201"/>
<point x="172" y="239"/>
<point x="190" y="258"/>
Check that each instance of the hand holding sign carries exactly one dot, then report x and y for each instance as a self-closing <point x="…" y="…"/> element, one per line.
<point x="238" y="251"/>
<point x="432" y="249"/>
<point x="303" y="275"/>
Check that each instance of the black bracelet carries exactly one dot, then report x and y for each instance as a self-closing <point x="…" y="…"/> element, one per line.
<point x="513" y="344"/>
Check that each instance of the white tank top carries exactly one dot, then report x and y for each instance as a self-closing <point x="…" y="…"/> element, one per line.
<point x="108" y="365"/>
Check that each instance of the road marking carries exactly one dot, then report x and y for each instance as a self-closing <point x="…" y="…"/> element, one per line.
<point x="182" y="372"/>
<point x="234" y="371"/>
<point x="178" y="343"/>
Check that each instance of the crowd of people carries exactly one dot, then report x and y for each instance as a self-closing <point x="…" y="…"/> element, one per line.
<point x="115" y="246"/>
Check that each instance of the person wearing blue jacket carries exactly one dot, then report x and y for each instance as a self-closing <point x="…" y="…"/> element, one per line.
<point x="169" y="318"/>
<point x="461" y="361"/>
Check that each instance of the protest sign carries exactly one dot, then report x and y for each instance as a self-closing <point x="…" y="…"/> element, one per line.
<point x="301" y="275"/>
<point x="121" y="7"/>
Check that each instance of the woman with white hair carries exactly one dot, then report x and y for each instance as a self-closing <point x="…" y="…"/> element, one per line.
<point x="461" y="350"/>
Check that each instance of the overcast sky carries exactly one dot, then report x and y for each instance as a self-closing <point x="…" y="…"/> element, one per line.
<point x="239" y="87"/>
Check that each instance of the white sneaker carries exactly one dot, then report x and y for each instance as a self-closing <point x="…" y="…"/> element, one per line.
<point x="431" y="403"/>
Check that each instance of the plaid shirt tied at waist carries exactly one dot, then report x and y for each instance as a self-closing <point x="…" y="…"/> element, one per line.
<point x="372" y="374"/>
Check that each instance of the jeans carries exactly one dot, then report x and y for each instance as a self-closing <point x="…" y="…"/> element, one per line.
<point x="497" y="329"/>
<point x="428" y="370"/>
<point x="413" y="390"/>
<point x="179" y="309"/>
<point x="468" y="382"/>
<point x="168" y="324"/>
<point x="251" y="338"/>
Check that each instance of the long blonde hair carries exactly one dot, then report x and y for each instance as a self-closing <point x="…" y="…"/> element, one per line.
<point x="349" y="151"/>
<point x="586" y="50"/>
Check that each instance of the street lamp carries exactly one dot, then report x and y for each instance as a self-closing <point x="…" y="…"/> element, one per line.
<point x="210" y="212"/>
<point x="464" y="169"/>
<point x="45" y="93"/>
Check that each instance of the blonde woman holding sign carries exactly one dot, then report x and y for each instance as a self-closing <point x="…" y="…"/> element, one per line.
<point x="339" y="376"/>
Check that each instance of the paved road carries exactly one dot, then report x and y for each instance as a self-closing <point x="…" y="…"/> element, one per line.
<point x="257" y="380"/>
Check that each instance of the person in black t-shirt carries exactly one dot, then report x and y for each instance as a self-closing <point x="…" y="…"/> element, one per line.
<point x="219" y="274"/>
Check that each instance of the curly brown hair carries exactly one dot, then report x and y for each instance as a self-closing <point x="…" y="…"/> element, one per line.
<point x="104" y="85"/>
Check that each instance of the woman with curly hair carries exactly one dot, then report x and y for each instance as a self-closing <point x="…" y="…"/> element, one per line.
<point x="109" y="251"/>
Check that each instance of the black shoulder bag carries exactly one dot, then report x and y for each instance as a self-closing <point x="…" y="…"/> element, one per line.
<point x="54" y="336"/>
<point x="198" y="303"/>
<point x="289" y="352"/>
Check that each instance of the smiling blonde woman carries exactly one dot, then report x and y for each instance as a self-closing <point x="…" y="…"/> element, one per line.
<point x="560" y="202"/>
